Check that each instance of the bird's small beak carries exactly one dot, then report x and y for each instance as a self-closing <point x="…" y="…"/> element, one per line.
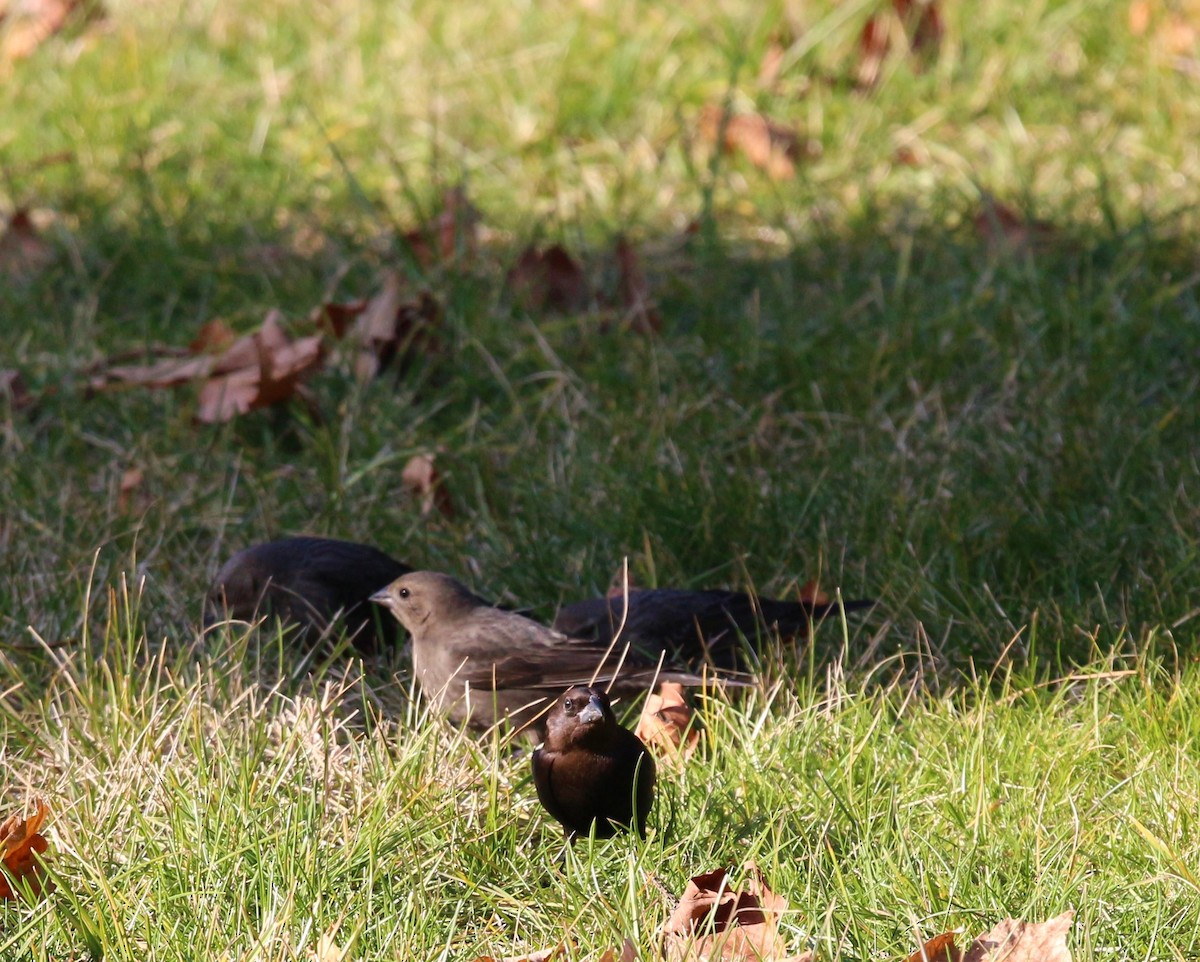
<point x="381" y="597"/>
<point x="593" y="711"/>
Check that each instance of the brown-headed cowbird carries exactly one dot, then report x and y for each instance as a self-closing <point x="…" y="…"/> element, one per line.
<point x="479" y="664"/>
<point x="692" y="626"/>
<point x="309" y="582"/>
<point x="590" y="770"/>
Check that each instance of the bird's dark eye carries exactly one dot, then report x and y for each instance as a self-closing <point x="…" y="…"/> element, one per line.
<point x="404" y="592"/>
<point x="569" y="706"/>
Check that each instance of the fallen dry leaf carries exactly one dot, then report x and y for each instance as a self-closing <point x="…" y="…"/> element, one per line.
<point x="640" y="313"/>
<point x="628" y="954"/>
<point x="1007" y="232"/>
<point x="811" y="593"/>
<point x="940" y="948"/>
<point x="255" y="371"/>
<point x="327" y="949"/>
<point x="714" y="921"/>
<point x="20" y="846"/>
<point x="548" y="280"/>
<point x="768" y="145"/>
<point x="422" y="478"/>
<point x="131" y="481"/>
<point x="917" y="23"/>
<point x="239" y="385"/>
<point x="23" y="251"/>
<point x="390" y="325"/>
<point x="12" y="386"/>
<point x="452" y="231"/>
<point x="27" y="24"/>
<point x="668" y="725"/>
<point x="1015" y="941"/>
<point x="213" y="338"/>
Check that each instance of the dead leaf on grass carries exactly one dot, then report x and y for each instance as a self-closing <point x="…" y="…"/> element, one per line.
<point x="1016" y="941"/>
<point x="254" y="371"/>
<point x="131" y="481"/>
<point x="918" y="24"/>
<point x="213" y="338"/>
<point x="20" y="846"/>
<point x="668" y="725"/>
<point x="453" y="230"/>
<point x="548" y="280"/>
<point x="767" y="144"/>
<point x="640" y="313"/>
<point x="12" y="387"/>
<point x="940" y="948"/>
<point x="327" y="949"/>
<point x="1012" y="940"/>
<point x="714" y="920"/>
<point x="26" y="24"/>
<point x="1005" y="231"/>
<point x="422" y="478"/>
<point x="24" y="253"/>
<point x="391" y="327"/>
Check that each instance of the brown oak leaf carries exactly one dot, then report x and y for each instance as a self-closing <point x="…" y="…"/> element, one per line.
<point x="714" y="920"/>
<point x="422" y="478"/>
<point x="548" y="280"/>
<point x="916" y="23"/>
<point x="668" y="725"/>
<point x="768" y="145"/>
<point x="453" y="230"/>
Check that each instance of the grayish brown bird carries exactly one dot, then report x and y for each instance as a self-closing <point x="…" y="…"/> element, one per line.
<point x="693" y="627"/>
<point x="311" y="583"/>
<point x="591" y="772"/>
<point x="479" y="664"/>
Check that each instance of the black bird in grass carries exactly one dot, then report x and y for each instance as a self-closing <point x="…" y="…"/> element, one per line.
<point x="479" y="664"/>
<point x="590" y="771"/>
<point x="309" y="582"/>
<point x="693" y="626"/>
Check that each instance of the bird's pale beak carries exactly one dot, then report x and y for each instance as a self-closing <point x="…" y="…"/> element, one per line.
<point x="593" y="711"/>
<point x="381" y="597"/>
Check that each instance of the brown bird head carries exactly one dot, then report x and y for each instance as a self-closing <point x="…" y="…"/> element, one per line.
<point x="581" y="715"/>
<point x="421" y="596"/>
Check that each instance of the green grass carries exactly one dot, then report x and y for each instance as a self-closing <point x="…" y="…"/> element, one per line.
<point x="849" y="384"/>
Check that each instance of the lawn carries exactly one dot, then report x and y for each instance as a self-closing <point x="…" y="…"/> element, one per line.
<point x="860" y="378"/>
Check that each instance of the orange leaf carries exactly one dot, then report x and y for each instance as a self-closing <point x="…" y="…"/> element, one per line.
<point x="716" y="921"/>
<point x="812" y="594"/>
<point x="668" y="725"/>
<point x="422" y="478"/>
<point x="940" y="948"/>
<point x="131" y="480"/>
<point x="20" y="844"/>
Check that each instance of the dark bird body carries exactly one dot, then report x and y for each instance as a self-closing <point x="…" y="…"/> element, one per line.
<point x="479" y="664"/>
<point x="692" y="626"/>
<point x="590" y="770"/>
<point x="309" y="582"/>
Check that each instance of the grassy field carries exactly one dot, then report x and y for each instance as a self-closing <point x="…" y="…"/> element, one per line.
<point x="853" y="383"/>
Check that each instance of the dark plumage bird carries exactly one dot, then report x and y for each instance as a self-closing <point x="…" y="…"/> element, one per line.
<point x="590" y="770"/>
<point x="692" y="626"/>
<point x="309" y="582"/>
<point x="478" y="664"/>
